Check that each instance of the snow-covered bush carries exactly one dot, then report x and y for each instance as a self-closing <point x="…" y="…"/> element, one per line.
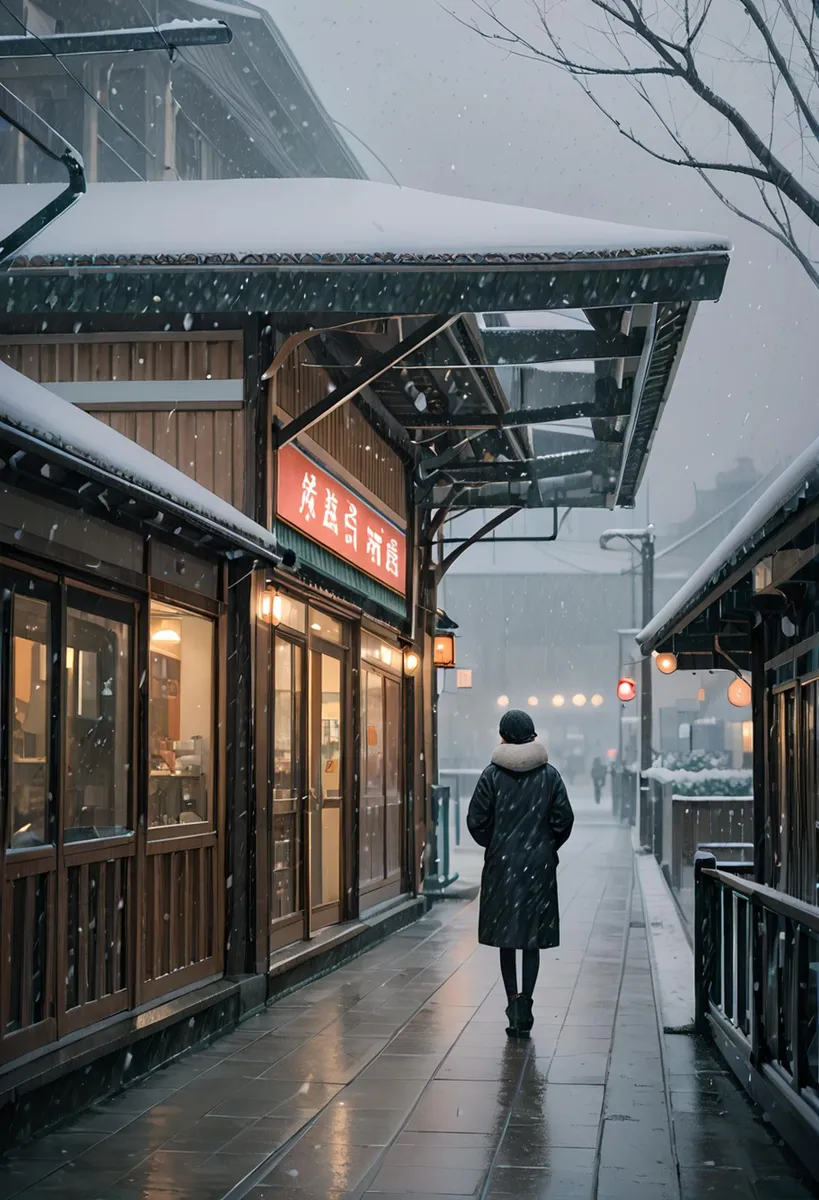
<point x="707" y="782"/>
<point x="694" y="760"/>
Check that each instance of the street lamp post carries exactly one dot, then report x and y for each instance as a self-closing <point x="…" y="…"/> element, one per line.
<point x="644" y="540"/>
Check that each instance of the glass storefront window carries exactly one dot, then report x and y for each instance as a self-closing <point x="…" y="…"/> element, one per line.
<point x="326" y="628"/>
<point x="377" y="651"/>
<point x="29" y="767"/>
<point x="290" y="612"/>
<point x="373" y="744"/>
<point x="380" y="825"/>
<point x="287" y="777"/>
<point x="98" y="726"/>
<point x="181" y="717"/>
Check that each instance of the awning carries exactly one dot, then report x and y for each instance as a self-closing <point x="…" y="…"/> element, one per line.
<point x="457" y="392"/>
<point x="712" y="614"/>
<point x="46" y="438"/>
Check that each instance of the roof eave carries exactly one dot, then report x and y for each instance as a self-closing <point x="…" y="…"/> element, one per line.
<point x="226" y="538"/>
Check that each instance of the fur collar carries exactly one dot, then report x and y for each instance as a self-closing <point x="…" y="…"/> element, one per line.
<point x="527" y="757"/>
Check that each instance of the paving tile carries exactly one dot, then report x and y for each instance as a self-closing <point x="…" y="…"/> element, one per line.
<point x="337" y="1168"/>
<point x="540" y="1184"/>
<point x="424" y="1180"/>
<point x="722" y="1183"/>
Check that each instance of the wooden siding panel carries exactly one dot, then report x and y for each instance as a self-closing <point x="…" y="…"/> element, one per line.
<point x="344" y="434"/>
<point x="223" y="455"/>
<point x="238" y="460"/>
<point x="102" y="359"/>
<point x="204" y="449"/>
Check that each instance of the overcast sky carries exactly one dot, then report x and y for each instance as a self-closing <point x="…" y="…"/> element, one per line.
<point x="448" y="112"/>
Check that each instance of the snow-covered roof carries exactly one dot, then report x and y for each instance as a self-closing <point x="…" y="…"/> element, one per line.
<point x="327" y="221"/>
<point x="738" y="547"/>
<point x="30" y="408"/>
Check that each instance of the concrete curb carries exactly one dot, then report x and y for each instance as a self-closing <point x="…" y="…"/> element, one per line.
<point x="670" y="954"/>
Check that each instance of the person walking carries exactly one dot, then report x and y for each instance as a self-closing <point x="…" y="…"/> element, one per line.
<point x="520" y="813"/>
<point x="598" y="774"/>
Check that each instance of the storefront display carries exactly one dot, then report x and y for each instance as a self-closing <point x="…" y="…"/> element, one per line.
<point x="180" y="717"/>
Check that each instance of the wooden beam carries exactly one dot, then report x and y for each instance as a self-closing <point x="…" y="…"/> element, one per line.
<point x="363" y="377"/>
<point x="521" y="347"/>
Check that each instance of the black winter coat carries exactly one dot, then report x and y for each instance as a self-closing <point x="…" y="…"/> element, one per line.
<point x="521" y="814"/>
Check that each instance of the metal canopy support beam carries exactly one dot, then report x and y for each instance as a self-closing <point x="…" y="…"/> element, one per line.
<point x="167" y="37"/>
<point x="615" y="406"/>
<point x="571" y="490"/>
<point x="521" y="347"/>
<point x="547" y="467"/>
<point x="372" y="369"/>
<point x="441" y="568"/>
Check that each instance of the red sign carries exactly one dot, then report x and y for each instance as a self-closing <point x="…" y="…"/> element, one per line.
<point x="317" y="505"/>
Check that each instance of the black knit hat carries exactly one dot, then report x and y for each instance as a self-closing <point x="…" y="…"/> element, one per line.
<point x="517" y="727"/>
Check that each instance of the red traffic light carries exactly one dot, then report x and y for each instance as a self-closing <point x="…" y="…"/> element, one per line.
<point x="626" y="689"/>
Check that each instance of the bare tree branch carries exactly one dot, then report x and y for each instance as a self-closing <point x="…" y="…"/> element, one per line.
<point x="787" y="53"/>
<point x="778" y="59"/>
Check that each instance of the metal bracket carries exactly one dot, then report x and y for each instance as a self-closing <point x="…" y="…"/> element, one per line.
<point x="59" y="150"/>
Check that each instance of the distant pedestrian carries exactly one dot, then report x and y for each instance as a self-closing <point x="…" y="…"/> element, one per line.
<point x="598" y="774"/>
<point x="520" y="813"/>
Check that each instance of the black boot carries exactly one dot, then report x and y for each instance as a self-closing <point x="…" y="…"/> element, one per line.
<point x="526" y="1019"/>
<point x="516" y="1016"/>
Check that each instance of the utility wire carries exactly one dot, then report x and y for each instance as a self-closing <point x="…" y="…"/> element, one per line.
<point x="378" y="157"/>
<point x="121" y="124"/>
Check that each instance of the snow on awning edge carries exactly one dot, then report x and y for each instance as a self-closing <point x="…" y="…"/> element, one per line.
<point x="27" y="407"/>
<point x="737" y="547"/>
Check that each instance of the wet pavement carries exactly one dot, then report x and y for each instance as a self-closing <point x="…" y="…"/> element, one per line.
<point x="393" y="1077"/>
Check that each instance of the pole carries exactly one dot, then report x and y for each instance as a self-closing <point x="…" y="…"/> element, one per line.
<point x="647" y="560"/>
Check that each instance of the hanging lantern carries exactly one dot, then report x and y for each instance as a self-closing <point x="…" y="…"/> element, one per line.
<point x="626" y="689"/>
<point x="739" y="693"/>
<point x="411" y="662"/>
<point x="666" y="663"/>
<point x="444" y="650"/>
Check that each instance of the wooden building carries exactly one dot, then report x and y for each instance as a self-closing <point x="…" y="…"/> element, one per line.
<point x="329" y="378"/>
<point x="751" y="611"/>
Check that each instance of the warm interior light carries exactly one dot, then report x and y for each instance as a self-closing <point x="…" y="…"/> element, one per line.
<point x="503" y="701"/>
<point x="739" y="693"/>
<point x="666" y="662"/>
<point x="532" y="701"/>
<point x="701" y="695"/>
<point x="626" y="689"/>
<point x="267" y="606"/>
<point x="611" y="753"/>
<point x="316" y="626"/>
<point x="277" y="609"/>
<point x="444" y="650"/>
<point x="69" y="659"/>
<point x="167" y="634"/>
<point x="558" y="701"/>
<point x="411" y="662"/>
<point x="597" y="700"/>
<point x="578" y="699"/>
<point x="386" y="656"/>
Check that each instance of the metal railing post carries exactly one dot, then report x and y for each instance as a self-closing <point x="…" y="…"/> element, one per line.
<point x="704" y="939"/>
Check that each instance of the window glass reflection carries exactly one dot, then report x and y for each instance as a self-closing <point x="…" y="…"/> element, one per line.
<point x="29" y="767"/>
<point x="181" y="716"/>
<point x="98" y="726"/>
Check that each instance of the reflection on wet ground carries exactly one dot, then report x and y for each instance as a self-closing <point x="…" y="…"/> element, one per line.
<point x="393" y="1077"/>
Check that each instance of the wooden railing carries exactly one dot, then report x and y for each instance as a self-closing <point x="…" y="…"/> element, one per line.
<point x="756" y="956"/>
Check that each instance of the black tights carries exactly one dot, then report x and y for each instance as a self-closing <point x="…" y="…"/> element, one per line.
<point x="531" y="966"/>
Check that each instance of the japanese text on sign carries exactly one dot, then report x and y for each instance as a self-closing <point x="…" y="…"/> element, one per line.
<point x="316" y="504"/>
